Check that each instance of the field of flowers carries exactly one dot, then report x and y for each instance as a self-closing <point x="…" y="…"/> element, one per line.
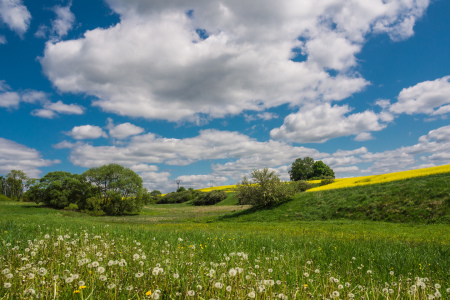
<point x="374" y="179"/>
<point x="56" y="261"/>
<point x="358" y="181"/>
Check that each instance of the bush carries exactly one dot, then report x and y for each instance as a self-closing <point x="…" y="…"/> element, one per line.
<point x="301" y="186"/>
<point x="326" y="181"/>
<point x="4" y="198"/>
<point x="210" y="198"/>
<point x="265" y="190"/>
<point x="178" y="197"/>
<point x="72" y="206"/>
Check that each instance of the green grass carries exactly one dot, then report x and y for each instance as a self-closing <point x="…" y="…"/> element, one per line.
<point x="416" y="200"/>
<point x="189" y="241"/>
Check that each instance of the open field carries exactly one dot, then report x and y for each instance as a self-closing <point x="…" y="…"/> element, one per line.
<point x="226" y="252"/>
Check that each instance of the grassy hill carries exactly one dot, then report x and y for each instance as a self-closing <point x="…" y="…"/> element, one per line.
<point x="424" y="199"/>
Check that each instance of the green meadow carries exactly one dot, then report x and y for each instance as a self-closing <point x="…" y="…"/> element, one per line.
<point x="383" y="241"/>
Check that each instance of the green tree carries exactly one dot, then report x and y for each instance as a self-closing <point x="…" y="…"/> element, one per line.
<point x="119" y="189"/>
<point x="60" y="189"/>
<point x="264" y="189"/>
<point x="16" y="181"/>
<point x="302" y="169"/>
<point x="321" y="170"/>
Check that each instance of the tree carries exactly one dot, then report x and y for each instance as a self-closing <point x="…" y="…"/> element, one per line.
<point x="16" y="181"/>
<point x="119" y="190"/>
<point x="60" y="189"/>
<point x="306" y="169"/>
<point x="321" y="170"/>
<point x="302" y="169"/>
<point x="264" y="189"/>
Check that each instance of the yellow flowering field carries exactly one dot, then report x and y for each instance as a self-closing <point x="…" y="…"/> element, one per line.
<point x="374" y="179"/>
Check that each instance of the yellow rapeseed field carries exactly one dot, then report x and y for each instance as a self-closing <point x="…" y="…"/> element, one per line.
<point x="357" y="181"/>
<point x="374" y="179"/>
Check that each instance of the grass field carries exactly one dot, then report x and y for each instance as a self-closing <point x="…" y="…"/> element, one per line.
<point x="233" y="252"/>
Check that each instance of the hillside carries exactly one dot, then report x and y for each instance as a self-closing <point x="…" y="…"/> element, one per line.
<point x="424" y="199"/>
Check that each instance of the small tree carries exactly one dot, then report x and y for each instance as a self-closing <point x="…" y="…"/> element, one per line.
<point x="302" y="169"/>
<point x="16" y="181"/>
<point x="264" y="189"/>
<point x="306" y="169"/>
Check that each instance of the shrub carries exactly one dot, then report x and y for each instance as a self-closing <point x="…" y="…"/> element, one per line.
<point x="265" y="190"/>
<point x="4" y="198"/>
<point x="326" y="181"/>
<point x="178" y="197"/>
<point x="301" y="186"/>
<point x="72" y="206"/>
<point x="210" y="198"/>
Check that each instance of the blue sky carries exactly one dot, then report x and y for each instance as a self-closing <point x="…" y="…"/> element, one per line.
<point x="209" y="90"/>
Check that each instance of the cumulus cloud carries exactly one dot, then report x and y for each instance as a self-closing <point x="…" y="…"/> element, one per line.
<point x="14" y="156"/>
<point x="2" y="39"/>
<point x="201" y="181"/>
<point x="51" y="110"/>
<point x="424" y="98"/>
<point x="125" y="130"/>
<point x="44" y="113"/>
<point x="168" y="71"/>
<point x="60" y="26"/>
<point x="16" y="15"/>
<point x="364" y="136"/>
<point x="86" y="132"/>
<point x="323" y="122"/>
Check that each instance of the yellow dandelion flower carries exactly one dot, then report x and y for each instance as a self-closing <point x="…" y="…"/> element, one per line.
<point x="149" y="293"/>
<point x="82" y="287"/>
<point x="76" y="291"/>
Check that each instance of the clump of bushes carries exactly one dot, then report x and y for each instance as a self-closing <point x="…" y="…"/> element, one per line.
<point x="266" y="189"/>
<point x="182" y="195"/>
<point x="210" y="198"/>
<point x="326" y="181"/>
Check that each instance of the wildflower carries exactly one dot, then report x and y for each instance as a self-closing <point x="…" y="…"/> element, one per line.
<point x="81" y="283"/>
<point x="306" y="274"/>
<point x="191" y="293"/>
<point x="385" y="290"/>
<point x="278" y="282"/>
<point x="31" y="291"/>
<point x="437" y="286"/>
<point x="351" y="296"/>
<point x="95" y="264"/>
<point x="149" y="293"/>
<point x="100" y="270"/>
<point x="340" y="287"/>
<point x="335" y="294"/>
<point x="199" y="287"/>
<point x="69" y="280"/>
<point x="251" y="295"/>
<point x="9" y="275"/>
<point x="31" y="276"/>
<point x="111" y="286"/>
<point x="76" y="291"/>
<point x="136" y="256"/>
<point x="139" y="274"/>
<point x="176" y="276"/>
<point x="232" y="272"/>
<point x="129" y="288"/>
<point x="430" y="297"/>
<point x="7" y="285"/>
<point x="218" y="285"/>
<point x="437" y="294"/>
<point x="391" y="273"/>
<point x="369" y="272"/>
<point x="228" y="288"/>
<point x="102" y="278"/>
<point x="317" y="271"/>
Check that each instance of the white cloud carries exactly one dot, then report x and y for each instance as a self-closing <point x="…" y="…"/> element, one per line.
<point x="69" y="109"/>
<point x="323" y="122"/>
<point x="2" y="39"/>
<point x="424" y="98"/>
<point x="343" y="153"/>
<point x="263" y="116"/>
<point x="14" y="156"/>
<point x="60" y="26"/>
<point x="125" y="130"/>
<point x="86" y="132"/>
<point x="200" y="181"/>
<point x="364" y="136"/>
<point x="244" y="64"/>
<point x="9" y="99"/>
<point x="441" y="134"/>
<point x="144" y="168"/>
<point x="208" y="145"/>
<point x="16" y="15"/>
<point x="44" y="113"/>
<point x="67" y="145"/>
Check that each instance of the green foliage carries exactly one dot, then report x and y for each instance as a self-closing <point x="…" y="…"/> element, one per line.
<point x="60" y="189"/>
<point x="307" y="169"/>
<point x="119" y="188"/>
<point x="14" y="184"/>
<point x="210" y="198"/>
<point x="264" y="189"/>
<point x="181" y="189"/>
<point x="4" y="198"/>
<point x="178" y="197"/>
<point x="72" y="206"/>
<point x="155" y="193"/>
<point x="326" y="181"/>
<point x="301" y="186"/>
